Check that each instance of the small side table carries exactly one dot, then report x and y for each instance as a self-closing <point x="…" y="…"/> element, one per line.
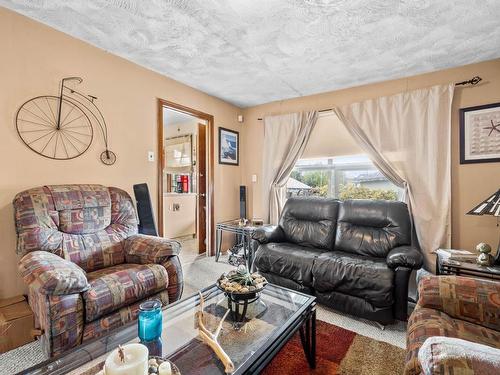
<point x="243" y="231"/>
<point x="451" y="267"/>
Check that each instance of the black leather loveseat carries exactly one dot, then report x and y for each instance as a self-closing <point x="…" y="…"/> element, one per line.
<point x="353" y="255"/>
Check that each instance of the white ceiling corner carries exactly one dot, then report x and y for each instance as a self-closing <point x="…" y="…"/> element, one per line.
<point x="249" y="52"/>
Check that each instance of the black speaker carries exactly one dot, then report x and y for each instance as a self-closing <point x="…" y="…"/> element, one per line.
<point x="243" y="202"/>
<point x="145" y="210"/>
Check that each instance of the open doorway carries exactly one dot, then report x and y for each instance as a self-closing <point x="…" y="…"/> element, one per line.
<point x="185" y="178"/>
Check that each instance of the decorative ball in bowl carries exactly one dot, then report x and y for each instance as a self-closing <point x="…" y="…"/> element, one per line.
<point x="159" y="365"/>
<point x="241" y="284"/>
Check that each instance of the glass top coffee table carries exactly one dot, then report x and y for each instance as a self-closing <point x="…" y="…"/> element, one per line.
<point x="270" y="322"/>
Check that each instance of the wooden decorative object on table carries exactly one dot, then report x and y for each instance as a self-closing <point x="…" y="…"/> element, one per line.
<point x="211" y="339"/>
<point x="121" y="353"/>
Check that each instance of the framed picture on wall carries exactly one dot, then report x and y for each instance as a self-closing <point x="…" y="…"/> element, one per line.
<point x="480" y="134"/>
<point x="229" y="147"/>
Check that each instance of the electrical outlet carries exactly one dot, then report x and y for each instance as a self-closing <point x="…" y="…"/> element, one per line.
<point x="151" y="156"/>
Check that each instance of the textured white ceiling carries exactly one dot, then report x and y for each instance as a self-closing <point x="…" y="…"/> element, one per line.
<point x="255" y="51"/>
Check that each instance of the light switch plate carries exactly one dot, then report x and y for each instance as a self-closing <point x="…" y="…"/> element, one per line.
<point x="254" y="178"/>
<point x="151" y="156"/>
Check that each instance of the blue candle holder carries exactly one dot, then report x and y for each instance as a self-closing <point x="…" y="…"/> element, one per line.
<point x="150" y="320"/>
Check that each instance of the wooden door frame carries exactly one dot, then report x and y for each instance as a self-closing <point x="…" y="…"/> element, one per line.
<point x="162" y="103"/>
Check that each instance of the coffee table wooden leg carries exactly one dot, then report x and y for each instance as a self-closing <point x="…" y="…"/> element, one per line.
<point x="308" y="338"/>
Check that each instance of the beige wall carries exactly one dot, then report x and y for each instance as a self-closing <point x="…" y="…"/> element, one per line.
<point x="183" y="221"/>
<point x="33" y="59"/>
<point x="470" y="183"/>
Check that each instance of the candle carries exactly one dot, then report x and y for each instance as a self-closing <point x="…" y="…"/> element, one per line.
<point x="149" y="321"/>
<point x="133" y="361"/>
<point x="165" y="369"/>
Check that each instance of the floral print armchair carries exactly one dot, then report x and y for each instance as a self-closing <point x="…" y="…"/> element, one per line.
<point x="86" y="268"/>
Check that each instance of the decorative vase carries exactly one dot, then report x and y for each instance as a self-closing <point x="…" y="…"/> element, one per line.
<point x="150" y="321"/>
<point x="484" y="258"/>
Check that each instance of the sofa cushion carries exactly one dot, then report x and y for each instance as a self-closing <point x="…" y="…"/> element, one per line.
<point x="287" y="283"/>
<point x="71" y="197"/>
<point x="117" y="286"/>
<point x="465" y="298"/>
<point x="356" y="275"/>
<point x="82" y="208"/>
<point x="287" y="260"/>
<point x="425" y="323"/>
<point x="371" y="227"/>
<point x="310" y="221"/>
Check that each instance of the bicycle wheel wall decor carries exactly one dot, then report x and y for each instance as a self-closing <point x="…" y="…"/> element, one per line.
<point x="61" y="127"/>
<point x="38" y="128"/>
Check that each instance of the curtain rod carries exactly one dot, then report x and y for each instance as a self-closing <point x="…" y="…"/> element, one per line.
<point x="473" y="81"/>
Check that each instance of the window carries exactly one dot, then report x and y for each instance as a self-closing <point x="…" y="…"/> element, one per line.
<point x="341" y="177"/>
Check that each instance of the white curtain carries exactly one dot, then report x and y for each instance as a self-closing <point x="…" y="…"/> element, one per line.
<point x="285" y="138"/>
<point x="407" y="136"/>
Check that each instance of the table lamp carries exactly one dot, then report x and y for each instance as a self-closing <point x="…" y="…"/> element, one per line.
<point x="490" y="206"/>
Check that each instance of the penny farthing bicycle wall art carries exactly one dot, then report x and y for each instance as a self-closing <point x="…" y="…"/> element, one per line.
<point x="62" y="127"/>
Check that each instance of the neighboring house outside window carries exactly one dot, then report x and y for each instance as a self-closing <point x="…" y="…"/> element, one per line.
<point x="341" y="177"/>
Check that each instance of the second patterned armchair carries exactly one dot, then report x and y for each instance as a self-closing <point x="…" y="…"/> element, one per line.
<point x="86" y="268"/>
<point x="455" y="327"/>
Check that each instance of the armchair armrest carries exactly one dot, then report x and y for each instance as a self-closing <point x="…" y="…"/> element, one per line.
<point x="465" y="298"/>
<point x="52" y="275"/>
<point x="269" y="234"/>
<point x="449" y="355"/>
<point x="405" y="256"/>
<point x="144" y="249"/>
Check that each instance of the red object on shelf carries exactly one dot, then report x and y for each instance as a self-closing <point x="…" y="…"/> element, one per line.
<point x="185" y="184"/>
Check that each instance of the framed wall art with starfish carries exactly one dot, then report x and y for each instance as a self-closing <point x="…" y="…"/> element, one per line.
<point x="480" y="134"/>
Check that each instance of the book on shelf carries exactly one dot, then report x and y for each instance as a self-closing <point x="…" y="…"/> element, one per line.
<point x="457" y="255"/>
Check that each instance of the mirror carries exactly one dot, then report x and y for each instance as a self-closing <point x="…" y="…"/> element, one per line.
<point x="179" y="154"/>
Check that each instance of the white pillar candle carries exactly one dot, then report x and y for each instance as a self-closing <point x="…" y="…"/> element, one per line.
<point x="135" y="363"/>
<point x="165" y="369"/>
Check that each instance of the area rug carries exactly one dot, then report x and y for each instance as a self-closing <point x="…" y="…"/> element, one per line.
<point x="339" y="351"/>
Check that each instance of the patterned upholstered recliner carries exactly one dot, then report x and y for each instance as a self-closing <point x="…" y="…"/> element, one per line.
<point x="452" y="313"/>
<point x="86" y="267"/>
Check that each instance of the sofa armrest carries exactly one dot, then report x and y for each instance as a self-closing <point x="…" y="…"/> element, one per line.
<point x="268" y="234"/>
<point x="175" y="278"/>
<point x="465" y="298"/>
<point x="144" y="249"/>
<point x="446" y="355"/>
<point x="405" y="256"/>
<point x="50" y="274"/>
